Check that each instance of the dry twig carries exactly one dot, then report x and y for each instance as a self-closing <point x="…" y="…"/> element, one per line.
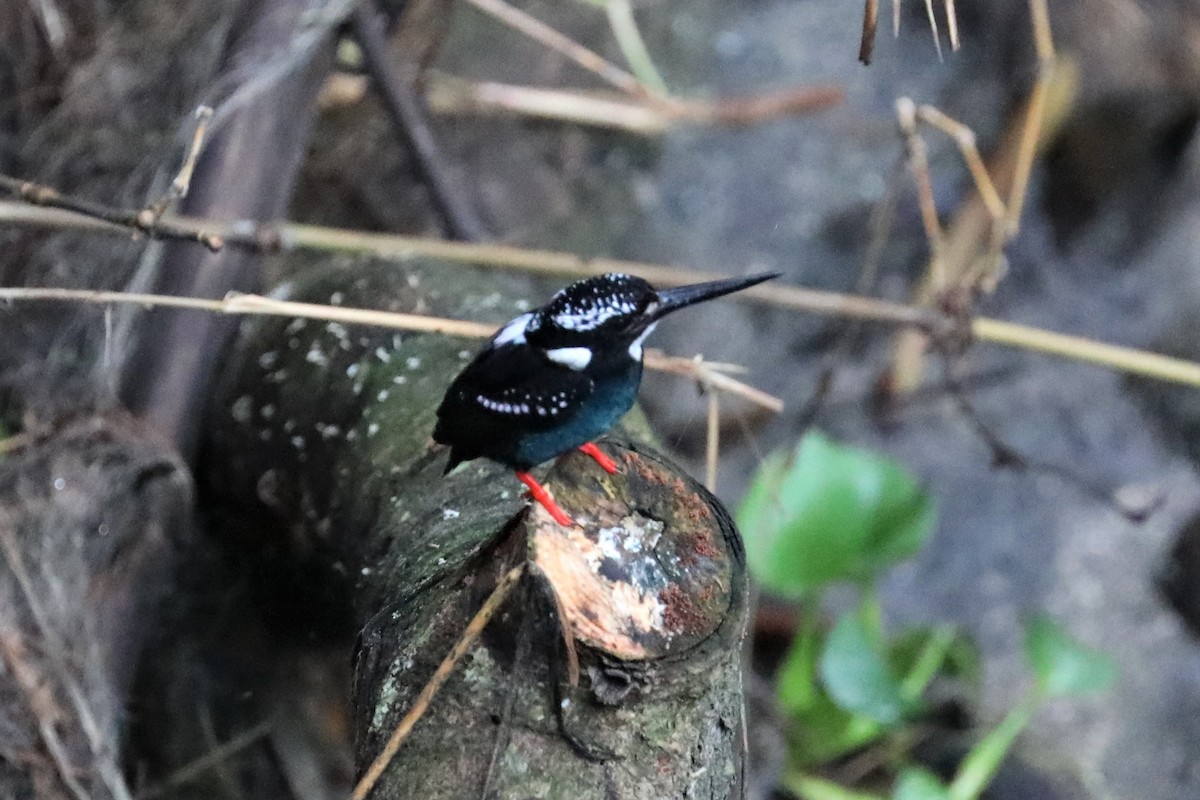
<point x="40" y="697"/>
<point x="103" y="756"/>
<point x="147" y="221"/>
<point x="294" y="237"/>
<point x="209" y="760"/>
<point x="257" y="305"/>
<point x="408" y="117"/>
<point x="469" y="636"/>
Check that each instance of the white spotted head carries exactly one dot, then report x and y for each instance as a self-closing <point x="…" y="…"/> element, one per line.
<point x="605" y="302"/>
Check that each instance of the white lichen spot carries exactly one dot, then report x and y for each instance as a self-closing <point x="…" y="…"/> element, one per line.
<point x="463" y="355"/>
<point x="316" y="356"/>
<point x="383" y="355"/>
<point x="609" y="541"/>
<point x="383" y="395"/>
<point x="450" y="513"/>
<point x="337" y="298"/>
<point x="400" y="380"/>
<point x="298" y="442"/>
<point x="412" y="362"/>
<point x="289" y="425"/>
<point x="373" y="429"/>
<point x="267" y="411"/>
<point x="295" y="326"/>
<point x="268" y="359"/>
<point x="59" y="484"/>
<point x="242" y="409"/>
<point x="352" y="370"/>
<point x="366" y="571"/>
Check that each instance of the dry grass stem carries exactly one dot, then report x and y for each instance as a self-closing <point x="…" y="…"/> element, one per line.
<point x="564" y="45"/>
<point x="293" y="237"/>
<point x="39" y="696"/>
<point x="712" y="442"/>
<point x="933" y="27"/>
<point x="209" y="760"/>
<point x="183" y="179"/>
<point x="102" y="749"/>
<point x="257" y="305"/>
<point x="866" y="45"/>
<point x="469" y="636"/>
<point x="964" y="137"/>
<point x="952" y="24"/>
<point x="918" y="159"/>
<point x="450" y="95"/>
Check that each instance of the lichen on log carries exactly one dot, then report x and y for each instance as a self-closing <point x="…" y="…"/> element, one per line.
<point x="328" y="427"/>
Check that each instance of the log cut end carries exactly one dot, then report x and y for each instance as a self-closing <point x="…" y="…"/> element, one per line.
<point x="647" y="570"/>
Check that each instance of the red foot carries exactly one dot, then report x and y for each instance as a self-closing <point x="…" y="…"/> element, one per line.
<point x="539" y="494"/>
<point x="604" y="461"/>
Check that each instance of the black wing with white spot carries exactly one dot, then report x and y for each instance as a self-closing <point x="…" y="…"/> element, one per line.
<point x="508" y="390"/>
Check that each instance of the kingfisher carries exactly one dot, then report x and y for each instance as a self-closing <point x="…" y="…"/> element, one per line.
<point x="555" y="378"/>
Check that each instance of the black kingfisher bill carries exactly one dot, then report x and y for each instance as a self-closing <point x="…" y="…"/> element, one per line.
<point x="554" y="379"/>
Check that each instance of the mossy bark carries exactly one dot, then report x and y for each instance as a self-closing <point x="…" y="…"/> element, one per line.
<point x="328" y="427"/>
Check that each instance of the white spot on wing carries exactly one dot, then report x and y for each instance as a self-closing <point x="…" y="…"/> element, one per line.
<point x="514" y="331"/>
<point x="577" y="358"/>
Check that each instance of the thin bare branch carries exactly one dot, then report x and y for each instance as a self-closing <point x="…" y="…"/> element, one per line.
<point x="469" y="636"/>
<point x="138" y="221"/>
<point x="257" y="305"/>
<point x="39" y="697"/>
<point x="866" y="45"/>
<point x="447" y="94"/>
<point x="918" y="159"/>
<point x="964" y="137"/>
<point x="104" y="757"/>
<point x="183" y="179"/>
<point x="952" y="24"/>
<point x="712" y="441"/>
<point x="292" y="237"/>
<point x="408" y="118"/>
<point x="564" y="45"/>
<point x="217" y="755"/>
<point x="933" y="27"/>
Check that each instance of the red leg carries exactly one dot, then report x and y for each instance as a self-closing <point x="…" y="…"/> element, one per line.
<point x="539" y="494"/>
<point x="604" y="461"/>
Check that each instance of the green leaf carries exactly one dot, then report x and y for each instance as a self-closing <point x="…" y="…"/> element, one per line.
<point x="1062" y="665"/>
<point x="810" y="787"/>
<point x="984" y="759"/>
<point x="796" y="682"/>
<point x="857" y="675"/>
<point x="916" y="783"/>
<point x="830" y="513"/>
<point x="824" y="732"/>
<point x="921" y="658"/>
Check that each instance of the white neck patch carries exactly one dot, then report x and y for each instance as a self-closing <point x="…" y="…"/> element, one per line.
<point x="514" y="331"/>
<point x="577" y="358"/>
<point x="635" y="349"/>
